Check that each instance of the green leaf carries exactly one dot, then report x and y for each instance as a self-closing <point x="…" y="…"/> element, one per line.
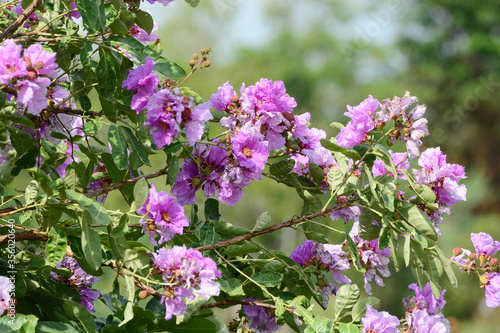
<point x="80" y="315"/>
<point x="335" y="178"/>
<point x="193" y="3"/>
<point x="128" y="314"/>
<point x="19" y="324"/>
<point x="226" y="228"/>
<point x="445" y="261"/>
<point x="54" y="327"/>
<point x="91" y="243"/>
<point x="212" y="209"/>
<point x="106" y="77"/>
<point x="348" y="328"/>
<point x="322" y="325"/>
<point x="56" y="246"/>
<point x="241" y="250"/>
<point x="263" y="222"/>
<point x="99" y="213"/>
<point x="91" y="127"/>
<point x="316" y="173"/>
<point x="367" y="229"/>
<point x="173" y="170"/>
<point x="118" y="147"/>
<point x="135" y="144"/>
<point x="207" y="234"/>
<point x="359" y="308"/>
<point x="31" y="192"/>
<point x="75" y="178"/>
<point x="282" y="168"/>
<point x="268" y="278"/>
<point x="419" y="220"/>
<point x="141" y="191"/>
<point x="232" y="287"/>
<point x="199" y="325"/>
<point x="89" y="9"/>
<point x="393" y="246"/>
<point x="407" y="250"/>
<point x="78" y="197"/>
<point x="110" y="109"/>
<point x="280" y="308"/>
<point x="144" y="20"/>
<point x="346" y="297"/>
<point x="353" y="253"/>
<point x="169" y="68"/>
<point x="25" y="161"/>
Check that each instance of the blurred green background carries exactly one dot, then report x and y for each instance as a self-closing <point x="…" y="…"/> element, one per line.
<point x="331" y="53"/>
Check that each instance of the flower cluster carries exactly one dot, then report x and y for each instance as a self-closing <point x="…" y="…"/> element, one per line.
<point x="164" y="216"/>
<point x="188" y="274"/>
<point x="485" y="247"/>
<point x="326" y="258"/>
<point x="80" y="280"/>
<point x="422" y="310"/>
<point x="33" y="76"/>
<point x="409" y="128"/>
<point x="168" y="111"/>
<point x="443" y="179"/>
<point x="372" y="259"/>
<point x="260" y="319"/>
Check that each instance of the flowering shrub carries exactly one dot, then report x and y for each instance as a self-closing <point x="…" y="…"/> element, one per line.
<point x="165" y="264"/>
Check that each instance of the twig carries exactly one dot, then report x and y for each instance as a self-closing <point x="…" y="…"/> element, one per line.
<point x="25" y="235"/>
<point x="20" y="19"/>
<point x="273" y="228"/>
<point x="124" y="183"/>
<point x="261" y="304"/>
<point x="70" y="111"/>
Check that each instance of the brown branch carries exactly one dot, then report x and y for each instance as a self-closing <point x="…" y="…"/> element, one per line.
<point x="30" y="33"/>
<point x="124" y="183"/>
<point x="25" y="235"/>
<point x="20" y="19"/>
<point x="261" y="304"/>
<point x="275" y="227"/>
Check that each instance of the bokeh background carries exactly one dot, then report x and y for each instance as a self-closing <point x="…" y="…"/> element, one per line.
<point x="333" y="53"/>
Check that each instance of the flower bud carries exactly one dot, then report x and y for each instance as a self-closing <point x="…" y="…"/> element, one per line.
<point x="494" y="262"/>
<point x="483" y="279"/>
<point x="206" y="64"/>
<point x="192" y="62"/>
<point x="235" y="99"/>
<point x="195" y="56"/>
<point x="483" y="258"/>
<point x="143" y="294"/>
<point x="456" y="251"/>
<point x="472" y="256"/>
<point x="202" y="51"/>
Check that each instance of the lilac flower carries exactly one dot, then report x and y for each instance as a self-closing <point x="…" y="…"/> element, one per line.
<point x="484" y="244"/>
<point x="362" y="121"/>
<point x="223" y="97"/>
<point x="268" y="97"/>
<point x="379" y="322"/>
<point x="325" y="257"/>
<point x="33" y="94"/>
<point x="164" y="2"/>
<point x="375" y="261"/>
<point x="142" y="35"/>
<point x="250" y="153"/>
<point x="424" y="299"/>
<point x="5" y="289"/>
<point x="165" y="216"/>
<point x="189" y="274"/>
<point x="422" y="322"/>
<point x="260" y="319"/>
<point x="11" y="63"/>
<point x="195" y="120"/>
<point x="80" y="280"/>
<point x="400" y="162"/>
<point x="39" y="61"/>
<point x="492" y="290"/>
<point x="143" y="82"/>
<point x="443" y="179"/>
<point x="75" y="13"/>
<point x="461" y="261"/>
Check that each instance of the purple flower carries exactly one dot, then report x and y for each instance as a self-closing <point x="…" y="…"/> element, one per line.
<point x="165" y="216"/>
<point x="39" y="61"/>
<point x="400" y="162"/>
<point x="33" y="94"/>
<point x="250" y="153"/>
<point x="143" y="82"/>
<point x="223" y="97"/>
<point x="362" y="121"/>
<point x="5" y="289"/>
<point x="188" y="274"/>
<point x="484" y="244"/>
<point x="195" y="120"/>
<point x="268" y="97"/>
<point x="260" y="319"/>
<point x="80" y="280"/>
<point x="422" y="322"/>
<point x="424" y="299"/>
<point x="375" y="261"/>
<point x="492" y="290"/>
<point x="11" y="63"/>
<point x="142" y="35"/>
<point x="379" y="322"/>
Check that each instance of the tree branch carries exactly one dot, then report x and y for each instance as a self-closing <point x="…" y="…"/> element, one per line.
<point x="25" y="235"/>
<point x="261" y="304"/>
<point x="20" y="19"/>
<point x="124" y="183"/>
<point x="275" y="227"/>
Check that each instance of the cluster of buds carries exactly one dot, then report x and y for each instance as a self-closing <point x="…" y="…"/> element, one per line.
<point x="200" y="62"/>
